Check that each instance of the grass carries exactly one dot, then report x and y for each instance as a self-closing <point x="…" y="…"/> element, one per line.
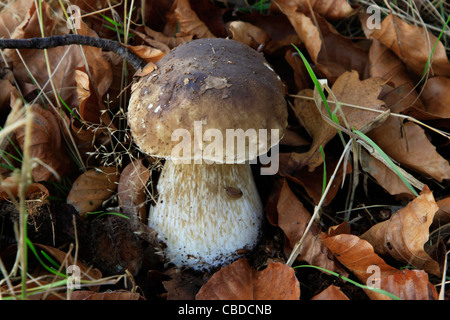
<point x="357" y="284"/>
<point x="24" y="291"/>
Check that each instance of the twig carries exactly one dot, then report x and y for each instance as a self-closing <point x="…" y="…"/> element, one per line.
<point x="70" y="39"/>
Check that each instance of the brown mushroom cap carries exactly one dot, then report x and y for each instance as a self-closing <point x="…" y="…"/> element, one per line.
<point x="222" y="83"/>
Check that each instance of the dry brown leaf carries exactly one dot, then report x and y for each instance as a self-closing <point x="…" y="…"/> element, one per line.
<point x="386" y="65"/>
<point x="131" y="189"/>
<point x="11" y="15"/>
<point x="301" y="77"/>
<point x="413" y="45"/>
<point x="248" y="34"/>
<point x="110" y="295"/>
<point x="46" y="145"/>
<point x="331" y="293"/>
<point x="404" y="235"/>
<point x="320" y="131"/>
<point x="63" y="71"/>
<point x="146" y="53"/>
<point x="436" y="96"/>
<point x="331" y="53"/>
<point x="190" y="24"/>
<point x="347" y="89"/>
<point x="10" y="186"/>
<point x="277" y="26"/>
<point x="442" y="216"/>
<point x="385" y="177"/>
<point x="211" y="13"/>
<point x="93" y="187"/>
<point x="293" y="219"/>
<point x="329" y="9"/>
<point x="6" y="90"/>
<point x="410" y="285"/>
<point x="87" y="273"/>
<point x="359" y="257"/>
<point x="171" y="42"/>
<point x="90" y="106"/>
<point x="239" y="281"/>
<point x="409" y="145"/>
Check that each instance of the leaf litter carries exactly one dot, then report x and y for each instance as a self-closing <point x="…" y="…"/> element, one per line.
<point x="94" y="187"/>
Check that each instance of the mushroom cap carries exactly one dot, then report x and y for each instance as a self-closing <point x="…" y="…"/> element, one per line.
<point x="204" y="84"/>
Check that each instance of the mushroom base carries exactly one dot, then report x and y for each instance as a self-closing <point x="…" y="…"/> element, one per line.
<point x="206" y="213"/>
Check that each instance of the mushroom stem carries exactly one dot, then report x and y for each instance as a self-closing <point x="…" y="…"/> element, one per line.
<point x="205" y="213"/>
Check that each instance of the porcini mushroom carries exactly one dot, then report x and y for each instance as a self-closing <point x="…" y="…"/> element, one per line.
<point x="208" y="206"/>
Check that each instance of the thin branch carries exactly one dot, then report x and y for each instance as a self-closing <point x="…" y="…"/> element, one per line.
<point x="70" y="39"/>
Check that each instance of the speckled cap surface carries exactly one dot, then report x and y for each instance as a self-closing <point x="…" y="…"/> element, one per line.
<point x="203" y="88"/>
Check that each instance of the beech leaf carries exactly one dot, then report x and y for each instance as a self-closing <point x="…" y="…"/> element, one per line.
<point x="359" y="257"/>
<point x="404" y="235"/>
<point x="131" y="189"/>
<point x="331" y="293"/>
<point x="413" y="45"/>
<point x="47" y="145"/>
<point x="93" y="187"/>
<point x="239" y="281"/>
<point x="293" y="219"/>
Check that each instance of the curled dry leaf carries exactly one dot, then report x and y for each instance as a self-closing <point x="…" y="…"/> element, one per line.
<point x="9" y="186"/>
<point x="146" y="53"/>
<point x="92" y="188"/>
<point x="131" y="189"/>
<point x="359" y="257"/>
<point x="329" y="9"/>
<point x="413" y="45"/>
<point x="47" y="145"/>
<point x="86" y="272"/>
<point x="63" y="61"/>
<point x="277" y="26"/>
<point x="320" y="131"/>
<point x="190" y="24"/>
<point x="442" y="216"/>
<point x="331" y="293"/>
<point x="409" y="145"/>
<point x="301" y="77"/>
<point x="239" y="281"/>
<point x="385" y="177"/>
<point x="331" y="53"/>
<point x="347" y="89"/>
<point x="248" y="34"/>
<point x="293" y="219"/>
<point x="386" y="65"/>
<point x="170" y="42"/>
<point x="11" y="15"/>
<point x="404" y="235"/>
<point x="90" y="107"/>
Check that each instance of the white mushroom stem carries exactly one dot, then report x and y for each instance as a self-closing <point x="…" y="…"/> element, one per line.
<point x="205" y="213"/>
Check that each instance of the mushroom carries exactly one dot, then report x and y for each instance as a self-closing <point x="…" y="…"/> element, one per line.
<point x="192" y="110"/>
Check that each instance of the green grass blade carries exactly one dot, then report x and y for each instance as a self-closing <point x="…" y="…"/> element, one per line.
<point x="387" y="293"/>
<point x="434" y="47"/>
<point x="313" y="76"/>
<point x="388" y="160"/>
<point x="50" y="269"/>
